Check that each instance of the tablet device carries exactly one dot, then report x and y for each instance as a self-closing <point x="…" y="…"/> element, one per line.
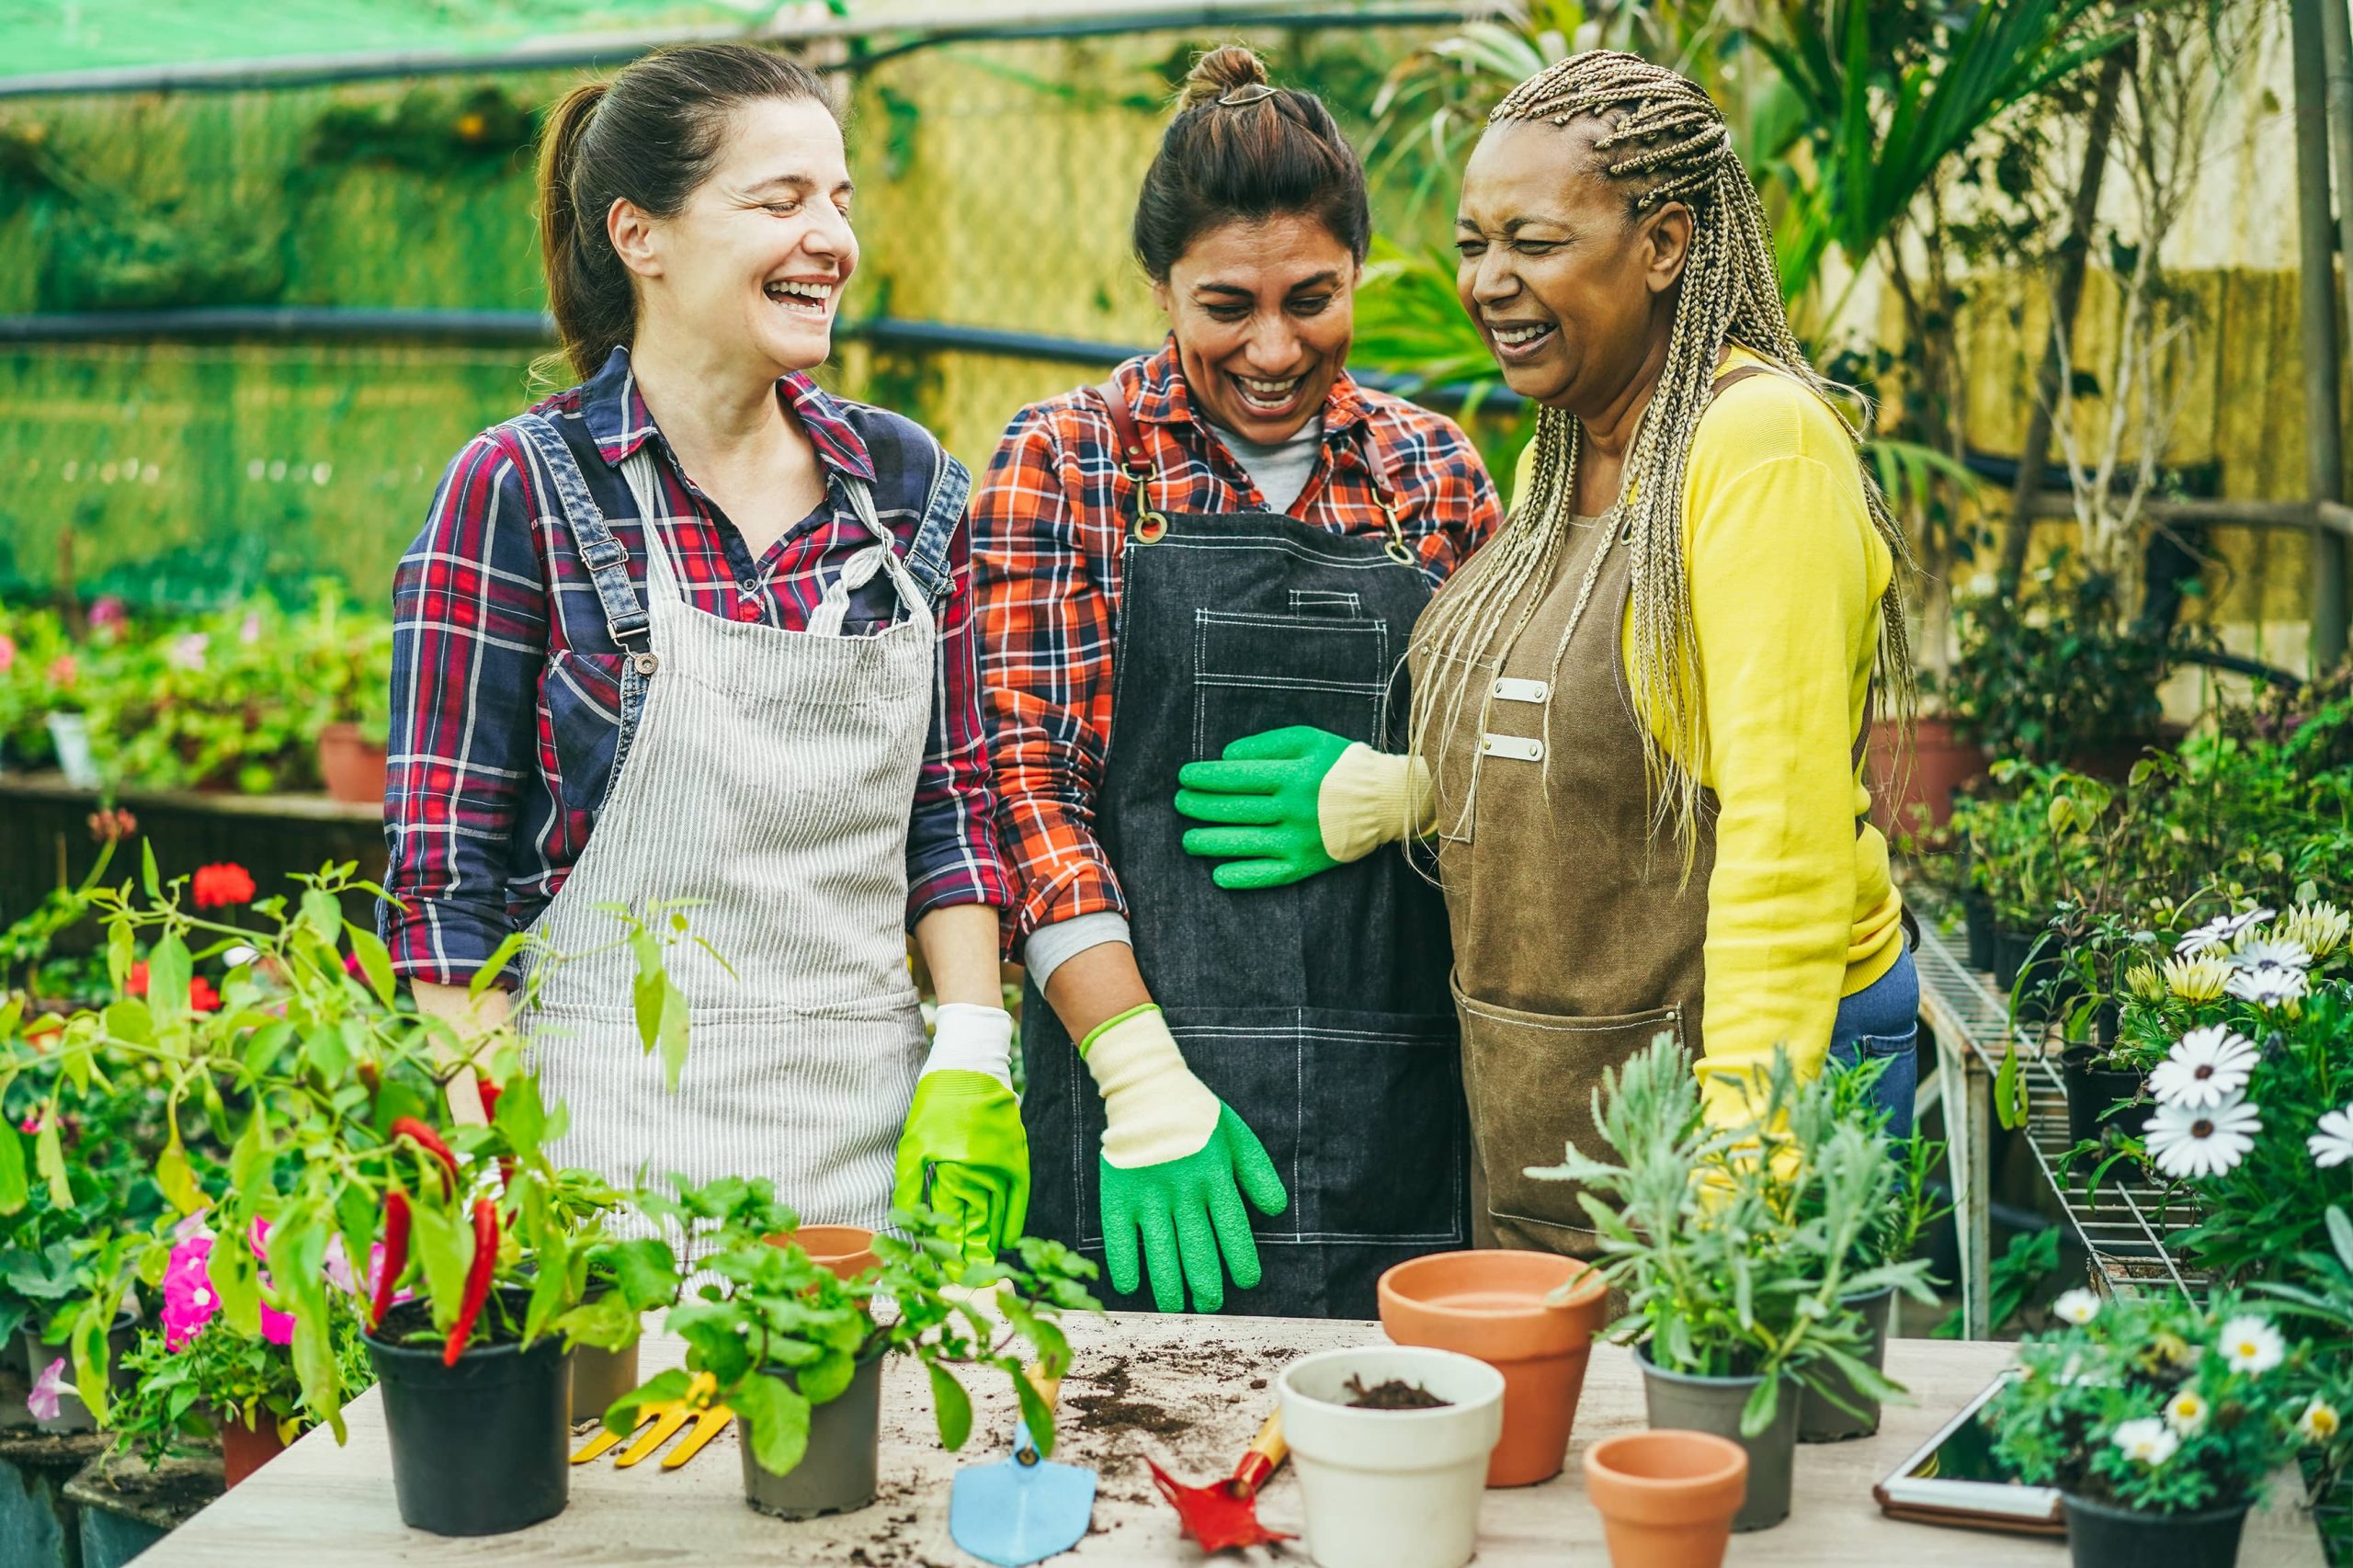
<point x="1954" y="1478"/>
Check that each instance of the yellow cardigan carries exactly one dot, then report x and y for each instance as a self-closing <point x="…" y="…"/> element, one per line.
<point x="1785" y="574"/>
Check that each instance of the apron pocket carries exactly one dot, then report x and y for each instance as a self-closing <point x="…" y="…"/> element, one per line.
<point x="1264" y="672"/>
<point x="1361" y="1114"/>
<point x="1531" y="1078"/>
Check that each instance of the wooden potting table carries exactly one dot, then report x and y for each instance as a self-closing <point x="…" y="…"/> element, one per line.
<point x="1191" y="1390"/>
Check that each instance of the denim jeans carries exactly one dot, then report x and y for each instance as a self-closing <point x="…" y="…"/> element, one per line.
<point x="1882" y="1020"/>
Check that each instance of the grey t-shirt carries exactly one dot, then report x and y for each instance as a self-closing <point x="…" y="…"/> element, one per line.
<point x="1281" y="471"/>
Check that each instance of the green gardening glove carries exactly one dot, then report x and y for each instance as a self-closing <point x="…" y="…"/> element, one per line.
<point x="963" y="1154"/>
<point x="1176" y="1164"/>
<point x="1291" y="802"/>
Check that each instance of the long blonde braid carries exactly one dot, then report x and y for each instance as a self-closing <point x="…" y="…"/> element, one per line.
<point x="1664" y="139"/>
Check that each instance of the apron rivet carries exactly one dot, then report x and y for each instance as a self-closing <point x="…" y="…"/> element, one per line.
<point x="647" y="663"/>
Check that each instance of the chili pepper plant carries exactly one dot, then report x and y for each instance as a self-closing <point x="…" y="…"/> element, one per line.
<point x="771" y="1334"/>
<point x="330" y="1096"/>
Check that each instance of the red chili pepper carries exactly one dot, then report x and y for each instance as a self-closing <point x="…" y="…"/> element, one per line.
<point x="425" y="1137"/>
<point x="396" y="1216"/>
<point x="490" y="1092"/>
<point x="477" y="1279"/>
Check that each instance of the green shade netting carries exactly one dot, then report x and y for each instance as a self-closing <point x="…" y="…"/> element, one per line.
<point x="51" y="36"/>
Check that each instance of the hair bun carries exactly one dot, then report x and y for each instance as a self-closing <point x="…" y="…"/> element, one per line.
<point x="1221" y="72"/>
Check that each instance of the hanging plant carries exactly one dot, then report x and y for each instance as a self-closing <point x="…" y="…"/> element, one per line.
<point x="116" y="255"/>
<point x="431" y="130"/>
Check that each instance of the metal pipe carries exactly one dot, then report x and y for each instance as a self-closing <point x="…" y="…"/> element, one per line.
<point x="2324" y="415"/>
<point x="952" y="22"/>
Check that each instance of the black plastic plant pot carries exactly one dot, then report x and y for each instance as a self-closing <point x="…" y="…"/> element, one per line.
<point x="480" y="1447"/>
<point x="838" y="1473"/>
<point x="1681" y="1401"/>
<point x="2101" y="1535"/>
<point x="2034" y="975"/>
<point x="2092" y="1091"/>
<point x="1977" y="919"/>
<point x="1823" y="1418"/>
<point x="2009" y="947"/>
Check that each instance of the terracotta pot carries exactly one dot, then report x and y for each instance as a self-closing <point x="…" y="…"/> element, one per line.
<point x="1492" y="1305"/>
<point x="1666" y="1499"/>
<point x="245" y="1450"/>
<point x="352" y="767"/>
<point x="1915" y="791"/>
<point x="846" y="1251"/>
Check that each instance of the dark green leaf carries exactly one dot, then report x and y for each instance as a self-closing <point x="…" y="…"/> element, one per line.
<point x="952" y="1407"/>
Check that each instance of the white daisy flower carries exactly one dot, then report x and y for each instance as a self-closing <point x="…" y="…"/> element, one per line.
<point x="2188" y="1141"/>
<point x="2332" y="1144"/>
<point x="2186" y="1413"/>
<point x="2078" y="1307"/>
<point x="2271" y="953"/>
<point x="2205" y="1067"/>
<point x="2273" y="986"/>
<point x="2252" y="1346"/>
<point x="2319" y="928"/>
<point x="2219" y="932"/>
<point x="2146" y="1440"/>
<point x="2319" y="1421"/>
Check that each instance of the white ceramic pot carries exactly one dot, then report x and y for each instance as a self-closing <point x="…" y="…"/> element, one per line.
<point x="1392" y="1488"/>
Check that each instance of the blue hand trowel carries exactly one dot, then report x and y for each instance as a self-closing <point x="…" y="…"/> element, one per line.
<point x="1025" y="1507"/>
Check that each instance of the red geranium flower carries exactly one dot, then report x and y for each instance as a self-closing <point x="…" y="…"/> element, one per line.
<point x="217" y="887"/>
<point x="202" y="997"/>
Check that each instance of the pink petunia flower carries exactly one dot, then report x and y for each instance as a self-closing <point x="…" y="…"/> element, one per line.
<point x="187" y="651"/>
<point x="108" y="611"/>
<point x="7" y="653"/>
<point x="249" y="629"/>
<point x="43" y="1400"/>
<point x="62" y="670"/>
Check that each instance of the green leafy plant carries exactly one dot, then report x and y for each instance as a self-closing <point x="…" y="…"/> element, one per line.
<point x="1738" y="1248"/>
<point x="331" y="1099"/>
<point x="2157" y="1404"/>
<point x="2062" y="673"/>
<point x="773" y="1334"/>
<point x="178" y="1400"/>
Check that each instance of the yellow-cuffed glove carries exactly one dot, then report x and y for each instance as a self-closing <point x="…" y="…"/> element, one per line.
<point x="1288" y="803"/>
<point x="1176" y="1164"/>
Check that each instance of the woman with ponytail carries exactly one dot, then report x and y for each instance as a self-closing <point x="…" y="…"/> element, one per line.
<point x="1211" y="563"/>
<point x="694" y="630"/>
<point x="1642" y="704"/>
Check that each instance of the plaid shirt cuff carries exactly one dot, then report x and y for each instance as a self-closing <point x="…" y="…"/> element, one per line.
<point x="1084" y="885"/>
<point x="963" y="881"/>
<point x="442" y="943"/>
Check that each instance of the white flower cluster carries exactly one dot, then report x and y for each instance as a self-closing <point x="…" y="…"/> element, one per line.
<point x="2204" y="1124"/>
<point x="2249" y="1345"/>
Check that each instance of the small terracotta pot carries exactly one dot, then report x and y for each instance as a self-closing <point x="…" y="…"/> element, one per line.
<point x="1491" y="1304"/>
<point x="351" y="765"/>
<point x="1666" y="1499"/>
<point x="245" y="1450"/>
<point x="844" y="1251"/>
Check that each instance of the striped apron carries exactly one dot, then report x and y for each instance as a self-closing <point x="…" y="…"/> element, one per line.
<point x="767" y="775"/>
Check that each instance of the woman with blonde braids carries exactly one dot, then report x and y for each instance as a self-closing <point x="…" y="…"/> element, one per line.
<point x="1641" y="701"/>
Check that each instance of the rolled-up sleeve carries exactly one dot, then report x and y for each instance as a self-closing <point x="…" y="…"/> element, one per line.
<point x="1046" y="652"/>
<point x="952" y="852"/>
<point x="469" y="637"/>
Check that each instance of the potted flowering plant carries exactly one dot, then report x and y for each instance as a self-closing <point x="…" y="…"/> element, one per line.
<point x="2158" y="1421"/>
<point x="195" y="1378"/>
<point x="221" y="701"/>
<point x="330" y="1098"/>
<point x="2255" y="1112"/>
<point x="1739" y="1250"/>
<point x="796" y="1350"/>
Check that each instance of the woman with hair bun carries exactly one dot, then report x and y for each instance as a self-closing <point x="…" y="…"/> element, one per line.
<point x="695" y="629"/>
<point x="1211" y="563"/>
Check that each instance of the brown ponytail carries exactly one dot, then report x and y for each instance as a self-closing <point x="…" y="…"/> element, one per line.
<point x="650" y="136"/>
<point x="1241" y="149"/>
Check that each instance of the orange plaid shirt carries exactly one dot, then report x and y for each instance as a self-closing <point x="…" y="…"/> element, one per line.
<point x="1049" y="522"/>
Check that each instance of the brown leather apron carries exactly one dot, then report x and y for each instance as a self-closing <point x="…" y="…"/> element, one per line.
<point x="1577" y="936"/>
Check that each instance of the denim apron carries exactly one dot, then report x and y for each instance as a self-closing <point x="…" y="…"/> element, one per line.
<point x="1317" y="1011"/>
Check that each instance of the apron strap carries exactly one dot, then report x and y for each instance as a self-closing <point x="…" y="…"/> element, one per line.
<point x="1132" y="457"/>
<point x="943" y="512"/>
<point x="826" y="619"/>
<point x="606" y="558"/>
